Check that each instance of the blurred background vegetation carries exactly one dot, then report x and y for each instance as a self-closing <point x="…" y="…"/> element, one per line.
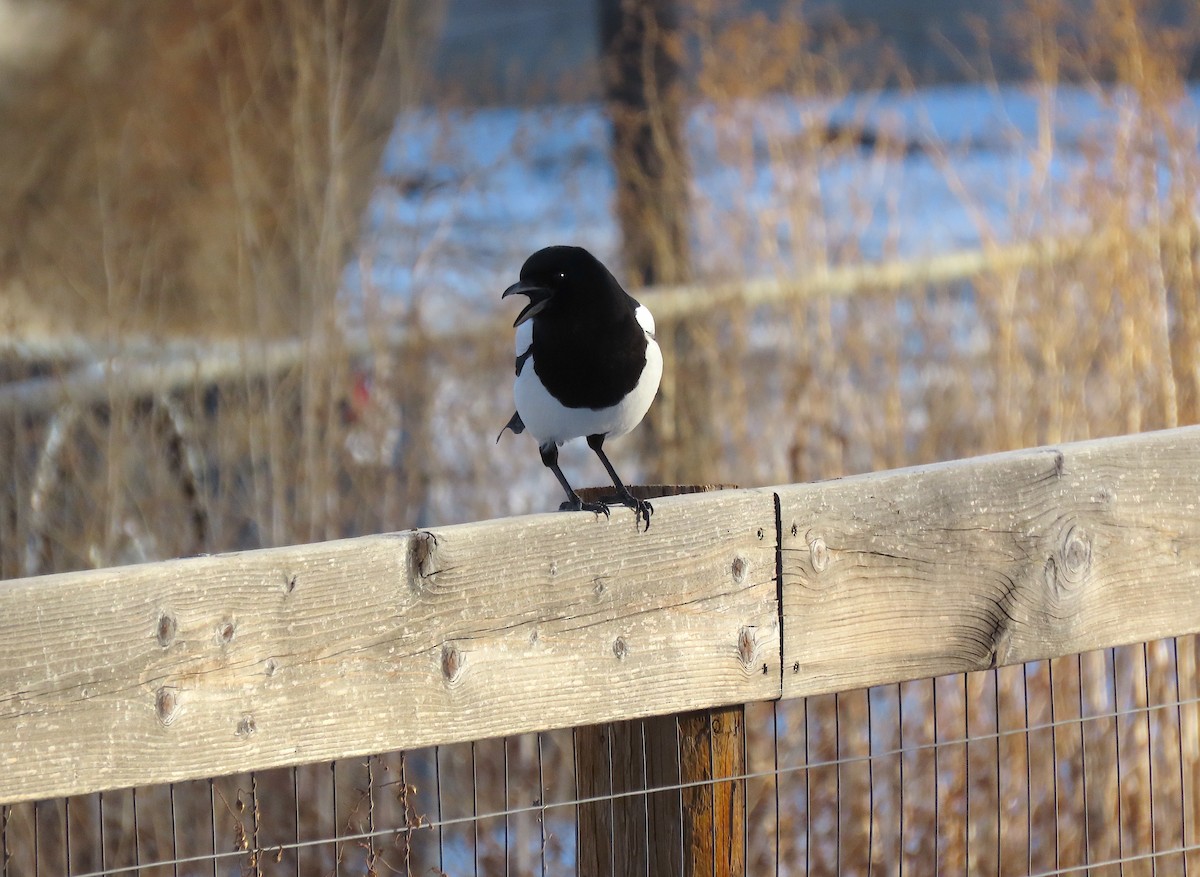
<point x="184" y="188"/>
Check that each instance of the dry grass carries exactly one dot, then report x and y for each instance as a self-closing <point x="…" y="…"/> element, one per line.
<point x="1098" y="344"/>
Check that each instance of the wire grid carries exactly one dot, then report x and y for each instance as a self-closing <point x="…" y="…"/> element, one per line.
<point x="1041" y="769"/>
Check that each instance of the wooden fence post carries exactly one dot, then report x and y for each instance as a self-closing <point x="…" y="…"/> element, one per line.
<point x="693" y="830"/>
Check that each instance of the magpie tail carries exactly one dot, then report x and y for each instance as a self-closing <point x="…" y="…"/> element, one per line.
<point x="515" y="423"/>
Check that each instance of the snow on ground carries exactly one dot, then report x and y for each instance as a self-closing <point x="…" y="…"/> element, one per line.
<point x="466" y="196"/>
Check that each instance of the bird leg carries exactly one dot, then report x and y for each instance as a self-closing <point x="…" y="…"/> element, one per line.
<point x="574" y="503"/>
<point x="642" y="508"/>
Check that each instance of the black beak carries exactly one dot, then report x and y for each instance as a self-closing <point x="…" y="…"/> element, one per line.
<point x="539" y="297"/>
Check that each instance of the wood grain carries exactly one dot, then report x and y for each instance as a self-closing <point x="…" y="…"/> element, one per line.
<point x="655" y="832"/>
<point x="213" y="665"/>
<point x="713" y="747"/>
<point x="995" y="560"/>
<point x="216" y="665"/>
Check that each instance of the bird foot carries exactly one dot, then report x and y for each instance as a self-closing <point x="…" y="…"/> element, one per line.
<point x="642" y="511"/>
<point x="578" y="505"/>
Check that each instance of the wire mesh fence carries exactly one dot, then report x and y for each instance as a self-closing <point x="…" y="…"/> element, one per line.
<point x="1083" y="762"/>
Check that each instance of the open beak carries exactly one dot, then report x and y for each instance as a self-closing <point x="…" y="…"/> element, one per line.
<point x="539" y="297"/>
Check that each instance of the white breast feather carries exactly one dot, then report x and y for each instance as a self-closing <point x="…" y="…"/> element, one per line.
<point x="524" y="337"/>
<point x="548" y="420"/>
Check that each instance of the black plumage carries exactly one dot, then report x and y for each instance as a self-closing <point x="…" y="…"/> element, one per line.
<point x="587" y="364"/>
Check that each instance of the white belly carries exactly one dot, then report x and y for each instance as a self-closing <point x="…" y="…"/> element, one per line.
<point x="548" y="420"/>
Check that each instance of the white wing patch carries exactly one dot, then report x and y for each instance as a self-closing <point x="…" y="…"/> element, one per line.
<point x="645" y="319"/>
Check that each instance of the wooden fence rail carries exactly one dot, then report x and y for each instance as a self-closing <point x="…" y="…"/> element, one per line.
<point x="213" y="665"/>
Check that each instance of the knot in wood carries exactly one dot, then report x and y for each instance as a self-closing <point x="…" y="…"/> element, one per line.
<point x="226" y="632"/>
<point x="818" y="554"/>
<point x="425" y="547"/>
<point x="746" y="646"/>
<point x="166" y="630"/>
<point x="1076" y="555"/>
<point x="247" y="727"/>
<point x="166" y="704"/>
<point x="452" y="662"/>
<point x="620" y="649"/>
<point x="739" y="569"/>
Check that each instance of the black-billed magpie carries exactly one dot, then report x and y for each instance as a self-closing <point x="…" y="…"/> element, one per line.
<point x="587" y="362"/>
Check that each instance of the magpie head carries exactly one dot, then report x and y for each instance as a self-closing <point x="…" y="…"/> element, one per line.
<point x="557" y="275"/>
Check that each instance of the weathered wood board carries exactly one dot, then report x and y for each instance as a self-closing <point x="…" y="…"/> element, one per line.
<point x="214" y="665"/>
<point x="995" y="560"/>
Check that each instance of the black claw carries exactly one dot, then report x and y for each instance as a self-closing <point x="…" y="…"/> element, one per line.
<point x="642" y="512"/>
<point x="578" y="505"/>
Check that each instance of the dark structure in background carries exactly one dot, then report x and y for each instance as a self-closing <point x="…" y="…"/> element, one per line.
<point x="644" y="76"/>
<point x="644" y="95"/>
<point x="531" y="50"/>
<point x="536" y="50"/>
